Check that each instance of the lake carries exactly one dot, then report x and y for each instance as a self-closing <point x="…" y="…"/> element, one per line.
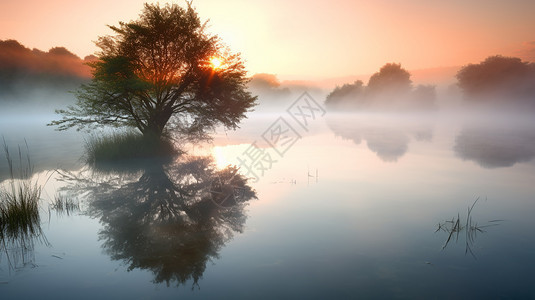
<point x="337" y="206"/>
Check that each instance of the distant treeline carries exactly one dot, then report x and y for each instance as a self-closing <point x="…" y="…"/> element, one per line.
<point x="267" y="85"/>
<point x="24" y="71"/>
<point x="390" y="88"/>
<point x="274" y="95"/>
<point x="498" y="81"/>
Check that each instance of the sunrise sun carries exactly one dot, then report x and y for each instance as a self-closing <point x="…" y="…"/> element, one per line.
<point x="216" y="62"/>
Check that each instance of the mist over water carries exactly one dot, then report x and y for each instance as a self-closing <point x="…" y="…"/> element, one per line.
<point x="497" y="141"/>
<point x="25" y="127"/>
<point x="357" y="205"/>
<point x="385" y="134"/>
<point x="373" y="185"/>
<point x="390" y="153"/>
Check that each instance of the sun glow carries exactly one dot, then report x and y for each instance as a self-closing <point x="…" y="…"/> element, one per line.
<point x="216" y="62"/>
<point x="220" y="158"/>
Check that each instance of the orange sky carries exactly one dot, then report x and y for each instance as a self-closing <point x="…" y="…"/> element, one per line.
<point x="305" y="39"/>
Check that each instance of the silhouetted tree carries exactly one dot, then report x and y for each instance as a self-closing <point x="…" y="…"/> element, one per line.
<point x="160" y="70"/>
<point x="268" y="88"/>
<point x="264" y="81"/>
<point x="390" y="88"/>
<point x="498" y="77"/>
<point x="347" y="95"/>
<point x="391" y="78"/>
<point x="423" y="96"/>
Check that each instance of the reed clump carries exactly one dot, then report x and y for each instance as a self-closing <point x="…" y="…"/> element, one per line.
<point x="124" y="146"/>
<point x="64" y="205"/>
<point x="20" y="222"/>
<point x="19" y="199"/>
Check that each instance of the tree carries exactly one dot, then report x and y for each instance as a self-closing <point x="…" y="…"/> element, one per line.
<point x="498" y="77"/>
<point x="390" y="88"/>
<point x="162" y="72"/>
<point x="391" y="78"/>
<point x="347" y="95"/>
<point x="423" y="96"/>
<point x="23" y="70"/>
<point x="268" y="85"/>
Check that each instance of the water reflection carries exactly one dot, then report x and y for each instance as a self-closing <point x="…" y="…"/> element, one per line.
<point x="63" y="206"/>
<point x="17" y="249"/>
<point x="496" y="145"/>
<point x="20" y="219"/>
<point x="20" y="223"/>
<point x="389" y="138"/>
<point x="18" y="238"/>
<point x="169" y="219"/>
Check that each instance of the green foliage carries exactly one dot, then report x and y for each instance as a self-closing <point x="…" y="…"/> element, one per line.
<point x="155" y="75"/>
<point x="19" y="209"/>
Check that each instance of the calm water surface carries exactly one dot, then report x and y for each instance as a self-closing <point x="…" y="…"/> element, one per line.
<point x="361" y="206"/>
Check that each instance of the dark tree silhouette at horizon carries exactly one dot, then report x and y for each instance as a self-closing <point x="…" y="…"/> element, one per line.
<point x="390" y="88"/>
<point x="24" y="70"/>
<point x="499" y="78"/>
<point x="340" y="94"/>
<point x="155" y="74"/>
<point x="391" y="78"/>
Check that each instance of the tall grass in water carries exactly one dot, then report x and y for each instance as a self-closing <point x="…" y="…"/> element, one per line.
<point x="125" y="146"/>
<point x="20" y="223"/>
<point x="64" y="205"/>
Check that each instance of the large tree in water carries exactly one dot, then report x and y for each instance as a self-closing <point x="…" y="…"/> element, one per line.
<point x="159" y="73"/>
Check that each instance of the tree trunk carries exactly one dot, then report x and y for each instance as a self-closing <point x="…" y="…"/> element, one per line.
<point x="153" y="131"/>
<point x="156" y="125"/>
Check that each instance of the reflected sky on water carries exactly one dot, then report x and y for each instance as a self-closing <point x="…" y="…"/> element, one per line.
<point x="350" y="210"/>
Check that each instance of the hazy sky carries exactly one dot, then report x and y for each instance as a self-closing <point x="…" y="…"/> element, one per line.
<point x="305" y="39"/>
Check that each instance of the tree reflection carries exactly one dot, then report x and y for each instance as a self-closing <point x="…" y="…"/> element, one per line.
<point x="496" y="145"/>
<point x="172" y="219"/>
<point x="389" y="140"/>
